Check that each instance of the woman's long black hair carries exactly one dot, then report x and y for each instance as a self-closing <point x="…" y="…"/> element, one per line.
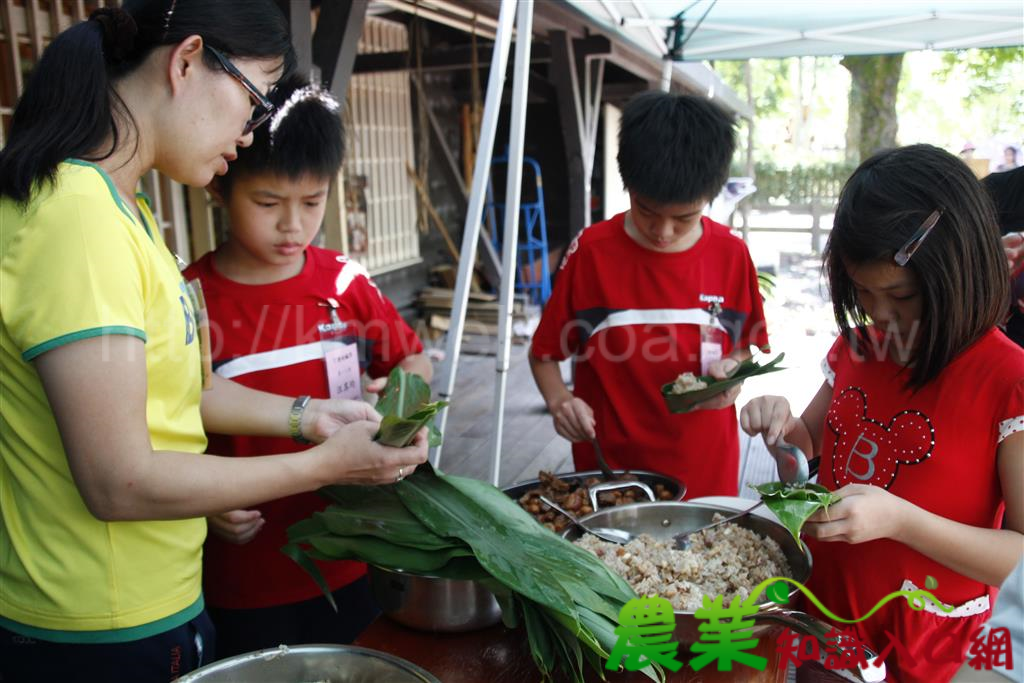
<point x="69" y="107"/>
<point x="960" y="267"/>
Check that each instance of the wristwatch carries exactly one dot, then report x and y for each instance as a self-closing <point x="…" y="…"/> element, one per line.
<point x="295" y="419"/>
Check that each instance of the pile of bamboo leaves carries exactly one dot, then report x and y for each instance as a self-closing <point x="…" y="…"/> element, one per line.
<point x="454" y="527"/>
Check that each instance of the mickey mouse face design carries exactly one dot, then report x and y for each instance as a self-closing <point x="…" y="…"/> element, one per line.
<point x="870" y="452"/>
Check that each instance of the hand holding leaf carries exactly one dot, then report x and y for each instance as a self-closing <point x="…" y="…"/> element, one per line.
<point x="794" y="504"/>
<point x="406" y="407"/>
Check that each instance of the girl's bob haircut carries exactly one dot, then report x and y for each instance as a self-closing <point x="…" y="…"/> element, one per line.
<point x="960" y="267"/>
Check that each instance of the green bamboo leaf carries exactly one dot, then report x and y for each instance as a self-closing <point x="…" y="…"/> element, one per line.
<point x="295" y="552"/>
<point x="794" y="504"/>
<point x="405" y="530"/>
<point x="406" y="408"/>
<point x="550" y="551"/>
<point x="570" y="644"/>
<point x="438" y="506"/>
<point x="681" y="403"/>
<point x="307" y="528"/>
<point x="388" y="555"/>
<point x="540" y="638"/>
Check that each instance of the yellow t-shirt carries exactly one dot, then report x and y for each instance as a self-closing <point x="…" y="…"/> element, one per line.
<point x="76" y="264"/>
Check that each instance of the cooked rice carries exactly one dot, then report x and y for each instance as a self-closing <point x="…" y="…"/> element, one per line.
<point x="727" y="560"/>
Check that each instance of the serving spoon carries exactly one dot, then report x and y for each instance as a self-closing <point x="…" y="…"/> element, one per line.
<point x="604" y="533"/>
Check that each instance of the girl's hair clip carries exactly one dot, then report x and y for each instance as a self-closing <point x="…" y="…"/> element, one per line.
<point x="905" y="253"/>
<point x="309" y="92"/>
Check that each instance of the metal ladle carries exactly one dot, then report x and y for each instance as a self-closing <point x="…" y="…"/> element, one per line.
<point x="604" y="533"/>
<point x="792" y="464"/>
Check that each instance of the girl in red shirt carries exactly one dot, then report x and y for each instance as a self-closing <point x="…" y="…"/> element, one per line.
<point x="920" y="422"/>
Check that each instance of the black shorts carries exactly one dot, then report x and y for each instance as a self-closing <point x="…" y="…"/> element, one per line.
<point x="155" y="659"/>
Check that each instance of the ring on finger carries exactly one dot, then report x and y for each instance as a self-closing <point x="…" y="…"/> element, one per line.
<point x="401" y="475"/>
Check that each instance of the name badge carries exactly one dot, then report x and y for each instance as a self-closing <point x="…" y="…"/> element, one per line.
<point x="341" y="358"/>
<point x="343" y="370"/>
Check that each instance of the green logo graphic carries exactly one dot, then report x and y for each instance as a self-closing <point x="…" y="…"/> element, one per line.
<point x="727" y="635"/>
<point x="646" y="624"/>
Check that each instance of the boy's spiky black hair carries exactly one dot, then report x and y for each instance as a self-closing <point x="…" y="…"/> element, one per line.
<point x="303" y="138"/>
<point x="675" y="148"/>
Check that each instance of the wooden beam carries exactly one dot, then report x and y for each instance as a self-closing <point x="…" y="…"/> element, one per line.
<point x="490" y="263"/>
<point x="438" y="223"/>
<point x="336" y="42"/>
<point x="450" y="166"/>
<point x="461" y="57"/>
<point x="300" y="21"/>
<point x="570" y="116"/>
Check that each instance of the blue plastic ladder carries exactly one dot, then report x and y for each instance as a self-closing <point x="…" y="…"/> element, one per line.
<point x="533" y="241"/>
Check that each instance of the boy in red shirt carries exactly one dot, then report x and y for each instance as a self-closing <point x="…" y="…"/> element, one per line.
<point x="650" y="294"/>
<point x="289" y="318"/>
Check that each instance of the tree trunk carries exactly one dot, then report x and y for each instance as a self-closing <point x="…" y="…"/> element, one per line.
<point x="874" y="85"/>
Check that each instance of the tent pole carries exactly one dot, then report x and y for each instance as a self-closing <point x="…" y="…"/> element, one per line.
<point x="510" y="229"/>
<point x="474" y="212"/>
<point x="666" y="73"/>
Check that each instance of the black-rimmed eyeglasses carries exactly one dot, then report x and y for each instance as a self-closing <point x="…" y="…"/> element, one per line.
<point x="914" y="243"/>
<point x="263" y="110"/>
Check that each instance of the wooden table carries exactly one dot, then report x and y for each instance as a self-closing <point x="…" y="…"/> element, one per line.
<point x="501" y="655"/>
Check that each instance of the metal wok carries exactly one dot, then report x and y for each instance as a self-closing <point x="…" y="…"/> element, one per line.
<point x="674" y="486"/>
<point x="663" y="520"/>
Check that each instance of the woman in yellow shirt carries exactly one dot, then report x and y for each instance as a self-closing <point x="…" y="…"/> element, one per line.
<point x="103" y="484"/>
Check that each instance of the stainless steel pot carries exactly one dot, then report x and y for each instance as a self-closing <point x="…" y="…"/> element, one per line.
<point x="676" y="487"/>
<point x="334" y="663"/>
<point x="663" y="520"/>
<point x="432" y="603"/>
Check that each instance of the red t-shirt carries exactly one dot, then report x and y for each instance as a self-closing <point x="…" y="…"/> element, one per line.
<point x="935" y="448"/>
<point x="266" y="337"/>
<point x="633" y="317"/>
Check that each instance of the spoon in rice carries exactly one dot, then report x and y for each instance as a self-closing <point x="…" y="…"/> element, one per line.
<point x="793" y="469"/>
<point x="604" y="533"/>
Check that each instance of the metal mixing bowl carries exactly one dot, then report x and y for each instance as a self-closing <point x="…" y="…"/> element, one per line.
<point x="664" y="520"/>
<point x="431" y="603"/>
<point x="307" y="663"/>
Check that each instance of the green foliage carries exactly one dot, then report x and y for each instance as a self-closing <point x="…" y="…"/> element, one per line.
<point x="992" y="71"/>
<point x="798" y="185"/>
<point x="766" y="282"/>
<point x="769" y="78"/>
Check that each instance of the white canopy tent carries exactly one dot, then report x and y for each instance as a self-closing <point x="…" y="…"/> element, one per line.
<point x="742" y="29"/>
<point x="710" y="29"/>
